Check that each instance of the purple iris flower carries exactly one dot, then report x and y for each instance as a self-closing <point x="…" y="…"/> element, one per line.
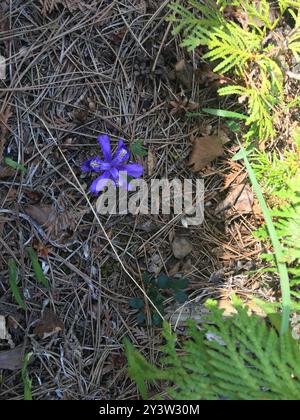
<point x="113" y="166"/>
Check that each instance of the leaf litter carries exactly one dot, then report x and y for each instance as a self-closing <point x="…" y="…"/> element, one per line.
<point x="48" y="325"/>
<point x="240" y="199"/>
<point x="116" y="100"/>
<point x="204" y="151"/>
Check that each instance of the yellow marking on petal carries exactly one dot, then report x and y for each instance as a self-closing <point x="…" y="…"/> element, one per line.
<point x="122" y="153"/>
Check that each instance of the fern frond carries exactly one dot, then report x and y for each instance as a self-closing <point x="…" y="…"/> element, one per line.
<point x="237" y="358"/>
<point x="233" y="46"/>
<point x="294" y="38"/>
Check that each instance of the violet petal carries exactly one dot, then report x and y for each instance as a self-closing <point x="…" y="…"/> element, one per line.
<point x="100" y="183"/>
<point x="104" y="142"/>
<point x="135" y="170"/>
<point x="121" y="154"/>
<point x="92" y="165"/>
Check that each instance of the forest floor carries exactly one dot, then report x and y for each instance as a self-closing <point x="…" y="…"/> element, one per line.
<point x="75" y="72"/>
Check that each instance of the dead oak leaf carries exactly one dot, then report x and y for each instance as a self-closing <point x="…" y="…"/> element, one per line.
<point x="7" y="172"/>
<point x="181" y="105"/>
<point x="240" y="197"/>
<point x="205" y="150"/>
<point x="44" y="215"/>
<point x="206" y="77"/>
<point x="48" y="325"/>
<point x="58" y="222"/>
<point x="184" y="73"/>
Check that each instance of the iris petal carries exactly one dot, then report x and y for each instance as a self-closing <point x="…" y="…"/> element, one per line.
<point x="121" y="154"/>
<point x="92" y="165"/>
<point x="100" y="183"/>
<point x="119" y="178"/>
<point x="134" y="170"/>
<point x="104" y="142"/>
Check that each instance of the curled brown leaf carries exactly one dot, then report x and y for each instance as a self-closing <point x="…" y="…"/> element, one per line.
<point x="205" y="150"/>
<point x="48" y="325"/>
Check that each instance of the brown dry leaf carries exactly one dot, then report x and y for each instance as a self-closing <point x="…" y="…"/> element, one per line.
<point x="225" y="303"/>
<point x="206" y="77"/>
<point x="181" y="247"/>
<point x="48" y="325"/>
<point x="40" y="248"/>
<point x="6" y="172"/>
<point x="43" y="215"/>
<point x="34" y="196"/>
<point x="239" y="197"/>
<point x="185" y="74"/>
<point x="181" y="105"/>
<point x="118" y="37"/>
<point x="224" y="135"/>
<point x="236" y="173"/>
<point x="56" y="221"/>
<point x="175" y="268"/>
<point x="223" y="254"/>
<point x="205" y="150"/>
<point x="81" y="115"/>
<point x="12" y="359"/>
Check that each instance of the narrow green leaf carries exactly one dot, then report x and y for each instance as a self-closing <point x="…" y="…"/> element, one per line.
<point x="224" y="114"/>
<point x="282" y="267"/>
<point x="26" y="380"/>
<point x="193" y="114"/>
<point x="40" y="276"/>
<point x="13" y="284"/>
<point x="15" y="165"/>
<point x="240" y="155"/>
<point x="233" y="126"/>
